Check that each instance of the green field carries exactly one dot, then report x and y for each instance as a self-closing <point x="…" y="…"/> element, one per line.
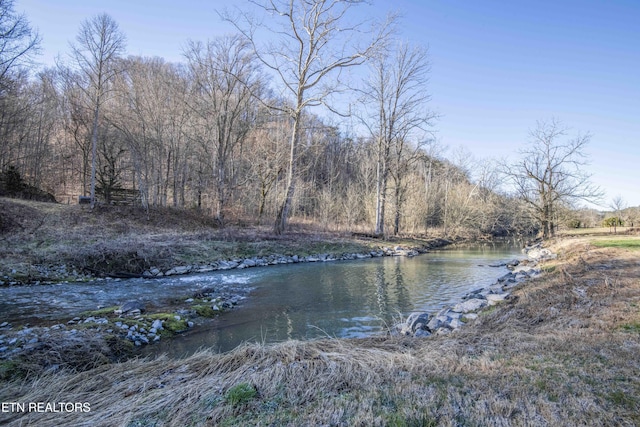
<point x="622" y="242"/>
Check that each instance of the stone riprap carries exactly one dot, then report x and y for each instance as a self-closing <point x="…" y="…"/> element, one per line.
<point x="240" y="263"/>
<point x="450" y="318"/>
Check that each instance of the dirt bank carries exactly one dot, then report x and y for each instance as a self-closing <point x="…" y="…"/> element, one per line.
<point x="564" y="351"/>
<point x="48" y="242"/>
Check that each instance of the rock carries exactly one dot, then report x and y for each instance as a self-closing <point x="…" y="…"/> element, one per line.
<point x="478" y="293"/>
<point x="415" y="319"/>
<point x="541" y="254"/>
<point x="131" y="306"/>
<point x="183" y="269"/>
<point x="456" y="323"/>
<point x="470" y="305"/>
<point x="157" y="325"/>
<point x="506" y="277"/>
<point x="494" y="299"/>
<point x="421" y="333"/>
<point x="247" y="263"/>
<point x="227" y="265"/>
<point x="435" y="323"/>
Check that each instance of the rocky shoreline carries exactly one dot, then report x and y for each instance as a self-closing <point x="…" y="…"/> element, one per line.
<point x="451" y="318"/>
<point x="48" y="274"/>
<point x="119" y="329"/>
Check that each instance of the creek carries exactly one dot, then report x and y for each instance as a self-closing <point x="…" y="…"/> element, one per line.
<point x="295" y="301"/>
<point x="344" y="299"/>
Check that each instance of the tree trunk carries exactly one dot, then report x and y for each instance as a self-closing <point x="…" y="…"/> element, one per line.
<point x="283" y="213"/>
<point x="94" y="144"/>
<point x="381" y="194"/>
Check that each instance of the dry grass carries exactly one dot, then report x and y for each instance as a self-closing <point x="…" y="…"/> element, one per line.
<point x="120" y="240"/>
<point x="565" y="351"/>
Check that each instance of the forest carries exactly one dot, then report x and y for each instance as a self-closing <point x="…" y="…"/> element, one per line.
<point x="262" y="133"/>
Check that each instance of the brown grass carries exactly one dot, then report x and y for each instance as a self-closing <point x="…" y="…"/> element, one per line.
<point x="564" y="351"/>
<point x="122" y="240"/>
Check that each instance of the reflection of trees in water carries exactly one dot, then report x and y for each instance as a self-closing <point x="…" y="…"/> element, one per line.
<point x="402" y="294"/>
<point x="388" y="308"/>
<point x="382" y="294"/>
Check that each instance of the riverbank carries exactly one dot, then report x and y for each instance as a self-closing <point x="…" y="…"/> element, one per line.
<point x="42" y="243"/>
<point x="564" y="350"/>
<point x="49" y="243"/>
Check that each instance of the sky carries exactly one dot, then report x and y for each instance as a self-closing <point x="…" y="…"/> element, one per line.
<point x="497" y="67"/>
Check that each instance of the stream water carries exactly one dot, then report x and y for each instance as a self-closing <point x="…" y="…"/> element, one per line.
<point x="294" y="301"/>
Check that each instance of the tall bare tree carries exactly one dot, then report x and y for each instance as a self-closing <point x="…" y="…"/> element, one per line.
<point x="225" y="77"/>
<point x="551" y="173"/>
<point x="313" y="41"/>
<point x="98" y="47"/>
<point x="398" y="119"/>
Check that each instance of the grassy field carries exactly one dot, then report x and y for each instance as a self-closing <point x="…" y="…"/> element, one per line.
<point x="564" y="351"/>
<point x="623" y="242"/>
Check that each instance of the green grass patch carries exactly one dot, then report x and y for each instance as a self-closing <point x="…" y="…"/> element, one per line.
<point x="631" y="327"/>
<point x="11" y="369"/>
<point x="240" y="394"/>
<point x="205" y="310"/>
<point x="100" y="312"/>
<point x="171" y="325"/>
<point x="622" y="242"/>
<point x="621" y="398"/>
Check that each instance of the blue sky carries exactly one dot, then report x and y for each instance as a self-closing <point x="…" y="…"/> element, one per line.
<point x="496" y="66"/>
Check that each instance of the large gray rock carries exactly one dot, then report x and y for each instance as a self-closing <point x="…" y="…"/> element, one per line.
<point x="540" y="254"/>
<point x="130" y="306"/>
<point x="470" y="305"/>
<point x="436" y="323"/>
<point x="494" y="299"/>
<point x="417" y="320"/>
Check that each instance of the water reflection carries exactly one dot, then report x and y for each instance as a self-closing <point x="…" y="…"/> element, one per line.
<point x="346" y="299"/>
<point x="300" y="301"/>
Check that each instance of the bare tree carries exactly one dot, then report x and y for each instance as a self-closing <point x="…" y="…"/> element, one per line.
<point x="313" y="42"/>
<point x="550" y="173"/>
<point x="399" y="119"/>
<point x="18" y="41"/>
<point x="225" y="78"/>
<point x="98" y="46"/>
